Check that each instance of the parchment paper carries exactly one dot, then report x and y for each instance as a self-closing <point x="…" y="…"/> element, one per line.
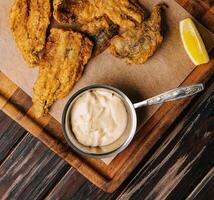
<point x="165" y="70"/>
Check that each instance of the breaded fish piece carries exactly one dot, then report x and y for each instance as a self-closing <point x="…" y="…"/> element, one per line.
<point x="121" y="12"/>
<point x="137" y="45"/>
<point x="29" y="20"/>
<point x="100" y="31"/>
<point x="66" y="54"/>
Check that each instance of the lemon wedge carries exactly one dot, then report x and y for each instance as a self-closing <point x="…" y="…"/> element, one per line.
<point x="193" y="42"/>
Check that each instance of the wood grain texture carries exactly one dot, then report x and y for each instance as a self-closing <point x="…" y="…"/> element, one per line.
<point x="10" y="134"/>
<point x="124" y="163"/>
<point x="74" y="186"/>
<point x="155" y="128"/>
<point x="184" y="158"/>
<point x="68" y="186"/>
<point x="30" y="171"/>
<point x="202" y="10"/>
<point x="17" y="104"/>
<point x="7" y="89"/>
<point x="205" y="189"/>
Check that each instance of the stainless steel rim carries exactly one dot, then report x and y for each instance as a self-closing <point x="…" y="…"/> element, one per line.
<point x="120" y="148"/>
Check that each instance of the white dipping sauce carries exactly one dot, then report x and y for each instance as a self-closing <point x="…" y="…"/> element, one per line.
<point x="98" y="118"/>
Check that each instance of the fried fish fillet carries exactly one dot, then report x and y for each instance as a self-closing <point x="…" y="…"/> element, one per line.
<point x="137" y="45"/>
<point x="100" y="31"/>
<point x="99" y="19"/>
<point x="66" y="54"/>
<point x="29" y="20"/>
<point x="121" y="12"/>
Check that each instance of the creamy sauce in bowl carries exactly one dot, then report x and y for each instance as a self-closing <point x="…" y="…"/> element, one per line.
<point x="98" y="118"/>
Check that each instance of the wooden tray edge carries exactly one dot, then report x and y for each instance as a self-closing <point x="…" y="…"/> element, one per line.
<point x="200" y="74"/>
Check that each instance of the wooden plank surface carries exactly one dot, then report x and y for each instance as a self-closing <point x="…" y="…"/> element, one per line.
<point x="202" y="10"/>
<point x="69" y="185"/>
<point x="75" y="186"/>
<point x="11" y="134"/>
<point x="108" y="177"/>
<point x="205" y="189"/>
<point x="30" y="171"/>
<point x="42" y="173"/>
<point x="186" y="155"/>
<point x="18" y="105"/>
<point x="183" y="159"/>
<point x="40" y="176"/>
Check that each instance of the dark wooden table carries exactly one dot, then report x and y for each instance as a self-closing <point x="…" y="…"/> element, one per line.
<point x="180" y="166"/>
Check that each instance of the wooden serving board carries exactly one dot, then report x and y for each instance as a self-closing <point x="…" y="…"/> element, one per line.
<point x="106" y="175"/>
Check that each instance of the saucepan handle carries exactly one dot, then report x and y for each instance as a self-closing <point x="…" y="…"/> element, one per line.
<point x="171" y="95"/>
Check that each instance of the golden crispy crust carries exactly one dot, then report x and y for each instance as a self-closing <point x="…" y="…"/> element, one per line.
<point x="98" y="19"/>
<point x="121" y="12"/>
<point x="138" y="44"/>
<point x="61" y="66"/>
<point x="29" y="20"/>
<point x="100" y="31"/>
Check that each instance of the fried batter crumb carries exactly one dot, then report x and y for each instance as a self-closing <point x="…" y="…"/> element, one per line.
<point x="137" y="45"/>
<point x="61" y="66"/>
<point x="121" y="12"/>
<point x="29" y="20"/>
